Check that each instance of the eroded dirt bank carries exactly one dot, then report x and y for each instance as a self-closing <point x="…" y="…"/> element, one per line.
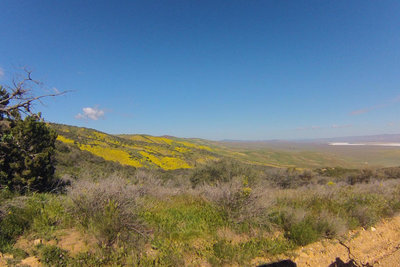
<point x="377" y="246"/>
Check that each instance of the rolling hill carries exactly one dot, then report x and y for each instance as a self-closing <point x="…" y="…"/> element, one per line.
<point x="170" y="153"/>
<point x="137" y="150"/>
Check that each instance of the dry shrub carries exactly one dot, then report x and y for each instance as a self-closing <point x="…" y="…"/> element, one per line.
<point x="239" y="202"/>
<point x="150" y="184"/>
<point x="222" y="171"/>
<point x="291" y="178"/>
<point x="109" y="208"/>
<point x="331" y="225"/>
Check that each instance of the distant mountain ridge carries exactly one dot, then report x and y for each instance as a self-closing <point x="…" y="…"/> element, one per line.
<point x="362" y="138"/>
<point x="385" y="138"/>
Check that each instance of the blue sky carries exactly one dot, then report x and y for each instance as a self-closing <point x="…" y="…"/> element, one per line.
<point x="212" y="69"/>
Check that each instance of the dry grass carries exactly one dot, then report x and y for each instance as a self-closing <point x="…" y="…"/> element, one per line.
<point x="108" y="208"/>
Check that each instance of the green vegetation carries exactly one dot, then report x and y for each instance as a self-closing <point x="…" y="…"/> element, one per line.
<point x="160" y="218"/>
<point x="26" y="149"/>
<point x="163" y="201"/>
<point x="53" y="256"/>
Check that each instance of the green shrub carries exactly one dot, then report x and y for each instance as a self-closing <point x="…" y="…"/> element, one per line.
<point x="53" y="256"/>
<point x="169" y="253"/>
<point x="86" y="259"/>
<point x="303" y="232"/>
<point x="221" y="171"/>
<point x="40" y="213"/>
<point x="184" y="218"/>
<point x="49" y="213"/>
<point x="12" y="225"/>
<point x="226" y="252"/>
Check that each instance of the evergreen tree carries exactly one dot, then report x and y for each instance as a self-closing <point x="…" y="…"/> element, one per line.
<point x="27" y="147"/>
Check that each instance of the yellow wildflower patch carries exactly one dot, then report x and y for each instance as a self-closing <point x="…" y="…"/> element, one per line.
<point x="138" y="150"/>
<point x="188" y="144"/>
<point x="169" y="163"/>
<point x="182" y="149"/>
<point x="64" y="139"/>
<point x="112" y="154"/>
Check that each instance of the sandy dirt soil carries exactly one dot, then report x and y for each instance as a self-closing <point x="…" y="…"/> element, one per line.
<point x="376" y="246"/>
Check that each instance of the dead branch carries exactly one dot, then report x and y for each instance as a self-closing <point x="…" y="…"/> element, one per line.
<point x="18" y="98"/>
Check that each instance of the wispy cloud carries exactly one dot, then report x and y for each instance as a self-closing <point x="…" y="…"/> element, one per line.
<point x="361" y="111"/>
<point x="333" y="126"/>
<point x="90" y="113"/>
<point x="338" y="126"/>
<point x="393" y="101"/>
<point x="309" y="128"/>
<point x="1" y="72"/>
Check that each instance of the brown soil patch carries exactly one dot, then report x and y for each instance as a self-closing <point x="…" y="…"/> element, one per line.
<point x="75" y="242"/>
<point x="71" y="240"/>
<point x="3" y="261"/>
<point x="377" y="246"/>
<point x="31" y="261"/>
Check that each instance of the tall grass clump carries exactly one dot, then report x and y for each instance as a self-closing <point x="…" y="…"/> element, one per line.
<point x="40" y="214"/>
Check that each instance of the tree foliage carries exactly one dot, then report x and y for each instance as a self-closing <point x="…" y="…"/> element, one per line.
<point x="27" y="144"/>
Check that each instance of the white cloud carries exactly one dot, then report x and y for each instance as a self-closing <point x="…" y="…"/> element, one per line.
<point x="1" y="72"/>
<point x="91" y="113"/>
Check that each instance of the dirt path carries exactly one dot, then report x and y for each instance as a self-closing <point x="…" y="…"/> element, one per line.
<point x="377" y="246"/>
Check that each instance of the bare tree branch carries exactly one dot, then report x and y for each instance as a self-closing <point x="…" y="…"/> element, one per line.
<point x="18" y="98"/>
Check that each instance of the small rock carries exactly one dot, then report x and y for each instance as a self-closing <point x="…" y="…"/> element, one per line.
<point x="373" y="229"/>
<point x="8" y="256"/>
<point x="37" y="242"/>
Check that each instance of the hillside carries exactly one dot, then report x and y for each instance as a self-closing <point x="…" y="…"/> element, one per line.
<point x="137" y="150"/>
<point x="170" y="153"/>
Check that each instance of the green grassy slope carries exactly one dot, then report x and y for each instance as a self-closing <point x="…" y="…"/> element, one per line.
<point x="171" y="153"/>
